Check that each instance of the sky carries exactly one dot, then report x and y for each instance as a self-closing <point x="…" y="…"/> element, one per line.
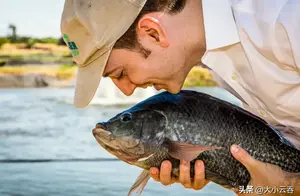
<point x="36" y="18"/>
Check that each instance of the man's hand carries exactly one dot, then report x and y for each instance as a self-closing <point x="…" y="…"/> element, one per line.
<point x="262" y="174"/>
<point x="265" y="174"/>
<point x="164" y="176"/>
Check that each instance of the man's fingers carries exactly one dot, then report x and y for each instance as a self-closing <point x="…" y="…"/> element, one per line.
<point x="242" y="156"/>
<point x="154" y="173"/>
<point x="165" y="173"/>
<point x="199" y="178"/>
<point x="184" y="173"/>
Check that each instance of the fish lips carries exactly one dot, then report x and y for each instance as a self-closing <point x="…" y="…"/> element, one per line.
<point x="107" y="141"/>
<point x="103" y="136"/>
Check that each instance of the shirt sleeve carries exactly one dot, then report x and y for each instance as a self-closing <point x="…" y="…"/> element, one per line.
<point x="286" y="49"/>
<point x="287" y="33"/>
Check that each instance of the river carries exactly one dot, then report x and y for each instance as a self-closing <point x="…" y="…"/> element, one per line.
<point x="47" y="148"/>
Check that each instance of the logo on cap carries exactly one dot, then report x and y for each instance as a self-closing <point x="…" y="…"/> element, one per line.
<point x="72" y="46"/>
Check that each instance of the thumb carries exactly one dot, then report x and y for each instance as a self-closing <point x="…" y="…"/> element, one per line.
<point x="243" y="157"/>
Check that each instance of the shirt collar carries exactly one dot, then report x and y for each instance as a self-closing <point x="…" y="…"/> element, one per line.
<point x="219" y="24"/>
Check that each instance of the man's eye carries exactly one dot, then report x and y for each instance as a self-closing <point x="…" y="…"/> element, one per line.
<point x="121" y="74"/>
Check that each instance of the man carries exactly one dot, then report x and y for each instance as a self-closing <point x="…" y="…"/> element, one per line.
<point x="252" y="48"/>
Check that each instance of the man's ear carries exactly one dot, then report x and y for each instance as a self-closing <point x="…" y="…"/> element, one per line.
<point x="151" y="27"/>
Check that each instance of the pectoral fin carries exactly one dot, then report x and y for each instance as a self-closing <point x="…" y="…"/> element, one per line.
<point x="140" y="183"/>
<point x="186" y="151"/>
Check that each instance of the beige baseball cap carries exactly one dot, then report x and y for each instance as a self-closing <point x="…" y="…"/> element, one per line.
<point x="90" y="28"/>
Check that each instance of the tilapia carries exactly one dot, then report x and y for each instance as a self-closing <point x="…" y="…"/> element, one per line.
<point x="188" y="126"/>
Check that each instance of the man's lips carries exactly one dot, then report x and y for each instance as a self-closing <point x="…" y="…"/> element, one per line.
<point x="157" y="87"/>
<point x="146" y="85"/>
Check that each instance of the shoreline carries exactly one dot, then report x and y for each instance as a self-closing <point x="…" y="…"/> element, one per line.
<point x="36" y="76"/>
<point x="32" y="80"/>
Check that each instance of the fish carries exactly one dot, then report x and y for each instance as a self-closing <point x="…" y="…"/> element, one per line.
<point x="192" y="126"/>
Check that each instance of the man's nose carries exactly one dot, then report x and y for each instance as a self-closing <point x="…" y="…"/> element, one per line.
<point x="125" y="85"/>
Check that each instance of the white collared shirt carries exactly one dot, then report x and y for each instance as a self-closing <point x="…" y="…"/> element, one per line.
<point x="253" y="50"/>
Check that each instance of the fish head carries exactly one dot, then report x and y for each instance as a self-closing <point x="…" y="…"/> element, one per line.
<point x="132" y="134"/>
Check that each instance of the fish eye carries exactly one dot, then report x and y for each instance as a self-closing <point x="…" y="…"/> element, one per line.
<point x="126" y="117"/>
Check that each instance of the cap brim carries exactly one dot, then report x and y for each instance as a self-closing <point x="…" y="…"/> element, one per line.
<point x="88" y="79"/>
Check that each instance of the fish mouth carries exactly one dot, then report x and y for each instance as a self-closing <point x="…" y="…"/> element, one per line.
<point x="109" y="142"/>
<point x="104" y="137"/>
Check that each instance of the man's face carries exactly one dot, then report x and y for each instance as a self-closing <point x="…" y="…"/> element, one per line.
<point x="129" y="70"/>
<point x="175" y="45"/>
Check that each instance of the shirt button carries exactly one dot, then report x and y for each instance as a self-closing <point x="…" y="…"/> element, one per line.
<point x="233" y="77"/>
<point x="262" y="112"/>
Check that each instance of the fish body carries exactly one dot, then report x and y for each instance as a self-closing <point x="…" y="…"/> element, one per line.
<point x="191" y="125"/>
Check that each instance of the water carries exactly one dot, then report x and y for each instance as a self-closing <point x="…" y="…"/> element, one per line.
<point x="107" y="94"/>
<point x="47" y="148"/>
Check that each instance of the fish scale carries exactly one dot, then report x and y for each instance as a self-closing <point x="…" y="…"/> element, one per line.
<point x="274" y="155"/>
<point x="195" y="120"/>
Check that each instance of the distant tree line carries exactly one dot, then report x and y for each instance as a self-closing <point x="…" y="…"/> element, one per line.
<point x="29" y="41"/>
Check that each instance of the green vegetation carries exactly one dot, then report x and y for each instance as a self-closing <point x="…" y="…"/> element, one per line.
<point x="3" y="40"/>
<point x="13" y="36"/>
<point x="20" y="50"/>
<point x="199" y="76"/>
<point x="28" y="41"/>
<point x="43" y="58"/>
<point x="64" y="72"/>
